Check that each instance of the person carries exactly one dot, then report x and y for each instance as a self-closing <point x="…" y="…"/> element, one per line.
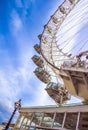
<point x="78" y="61"/>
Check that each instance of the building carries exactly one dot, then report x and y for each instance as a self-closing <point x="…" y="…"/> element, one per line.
<point x="66" y="117"/>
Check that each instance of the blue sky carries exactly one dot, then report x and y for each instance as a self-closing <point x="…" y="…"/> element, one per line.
<point x="20" y="23"/>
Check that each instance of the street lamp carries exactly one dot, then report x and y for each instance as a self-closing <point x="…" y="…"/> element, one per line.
<point x="17" y="106"/>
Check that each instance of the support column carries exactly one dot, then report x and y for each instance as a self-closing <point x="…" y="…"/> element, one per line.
<point x="33" y="114"/>
<point x="25" y="126"/>
<point x="53" y="120"/>
<point x="21" y="123"/>
<point x="41" y="119"/>
<point x="64" y="120"/>
<point x="78" y="117"/>
<point x="18" y="121"/>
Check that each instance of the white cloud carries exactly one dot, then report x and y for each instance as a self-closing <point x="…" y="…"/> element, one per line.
<point x="16" y="22"/>
<point x="40" y="97"/>
<point x="15" y="82"/>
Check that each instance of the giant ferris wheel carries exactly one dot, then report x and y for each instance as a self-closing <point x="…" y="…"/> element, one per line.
<point x="62" y="58"/>
<point x="62" y="64"/>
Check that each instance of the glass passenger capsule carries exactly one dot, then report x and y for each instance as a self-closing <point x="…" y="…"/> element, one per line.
<point x="42" y="75"/>
<point x="37" y="48"/>
<point x="72" y="1"/>
<point x="39" y="36"/>
<point x="38" y="61"/>
<point x="62" y="9"/>
<point x="57" y="92"/>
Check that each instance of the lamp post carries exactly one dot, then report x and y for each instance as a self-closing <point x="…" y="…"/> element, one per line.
<point x="17" y="105"/>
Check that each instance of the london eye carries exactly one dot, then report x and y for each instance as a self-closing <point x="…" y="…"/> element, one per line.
<point x="63" y="59"/>
<point x="62" y="64"/>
